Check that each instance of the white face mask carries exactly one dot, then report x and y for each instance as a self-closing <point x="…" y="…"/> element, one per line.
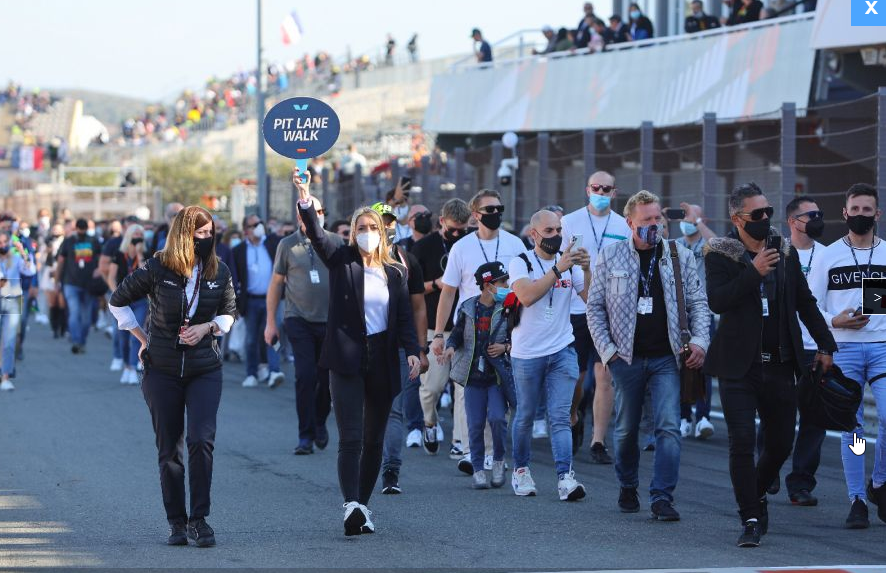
<point x="368" y="241"/>
<point x="44" y="222"/>
<point x="259" y="231"/>
<point x="25" y="232"/>
<point x="90" y="233"/>
<point x="322" y="219"/>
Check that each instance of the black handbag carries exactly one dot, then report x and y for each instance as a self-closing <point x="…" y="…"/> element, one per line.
<point x="97" y="286"/>
<point x="692" y="386"/>
<point x="829" y="399"/>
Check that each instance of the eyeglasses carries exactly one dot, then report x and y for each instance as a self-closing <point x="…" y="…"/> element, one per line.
<point x="554" y="209"/>
<point x="811" y="214"/>
<point x="254" y="225"/>
<point x="490" y="209"/>
<point x="757" y="214"/>
<point x="605" y="189"/>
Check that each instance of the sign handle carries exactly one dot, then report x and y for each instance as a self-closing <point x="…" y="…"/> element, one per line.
<point x="302" y="165"/>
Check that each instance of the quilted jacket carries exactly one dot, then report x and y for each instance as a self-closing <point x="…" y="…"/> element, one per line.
<point x="612" y="300"/>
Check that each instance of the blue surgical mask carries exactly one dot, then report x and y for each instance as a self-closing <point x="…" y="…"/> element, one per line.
<point x="688" y="229"/>
<point x="235" y="241"/>
<point x="599" y="202"/>
<point x="635" y="14"/>
<point x="501" y="293"/>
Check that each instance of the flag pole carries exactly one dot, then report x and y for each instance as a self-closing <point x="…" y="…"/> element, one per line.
<point x="261" y="184"/>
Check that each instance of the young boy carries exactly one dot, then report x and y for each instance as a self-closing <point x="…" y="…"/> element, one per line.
<point x="478" y="348"/>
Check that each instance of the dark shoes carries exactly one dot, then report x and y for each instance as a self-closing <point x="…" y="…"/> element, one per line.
<point x="662" y="510"/>
<point x="178" y="532"/>
<point x="803" y="498"/>
<point x="750" y="536"/>
<point x="599" y="454"/>
<point x="304" y="448"/>
<point x="201" y="533"/>
<point x="877" y="496"/>
<point x="390" y="482"/>
<point x="858" y="515"/>
<point x="321" y="439"/>
<point x="764" y="516"/>
<point x="775" y="486"/>
<point x="628" y="500"/>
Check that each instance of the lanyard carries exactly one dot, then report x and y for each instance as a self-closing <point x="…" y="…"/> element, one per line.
<point x="445" y="258"/>
<point x="311" y="253"/>
<point x="870" y="257"/>
<point x="497" y="241"/>
<point x="647" y="280"/>
<point x="808" y="266"/>
<point x="599" y="243"/>
<point x="543" y="272"/>
<point x="193" y="296"/>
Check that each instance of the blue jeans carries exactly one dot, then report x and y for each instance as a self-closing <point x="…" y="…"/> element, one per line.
<point x="662" y="377"/>
<point x="81" y="305"/>
<point x="9" y="324"/>
<point x="557" y="374"/>
<point x="312" y="401"/>
<point x="482" y="405"/>
<point x="403" y="408"/>
<point x="256" y="317"/>
<point x="130" y="342"/>
<point x="862" y="361"/>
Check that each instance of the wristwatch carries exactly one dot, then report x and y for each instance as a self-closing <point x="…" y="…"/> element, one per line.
<point x="214" y="328"/>
<point x="699" y="221"/>
<point x="557" y="272"/>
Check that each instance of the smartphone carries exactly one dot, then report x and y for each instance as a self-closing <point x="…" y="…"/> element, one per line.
<point x="275" y="343"/>
<point x="774" y="242"/>
<point x="405" y="183"/>
<point x="858" y="312"/>
<point x="577" y="241"/>
<point x="674" y="214"/>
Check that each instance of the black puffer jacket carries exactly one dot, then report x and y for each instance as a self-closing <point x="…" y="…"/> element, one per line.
<point x="166" y="295"/>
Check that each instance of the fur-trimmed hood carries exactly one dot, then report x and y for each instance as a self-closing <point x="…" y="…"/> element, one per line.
<point x="730" y="246"/>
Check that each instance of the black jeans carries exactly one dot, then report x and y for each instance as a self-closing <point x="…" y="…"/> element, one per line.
<point x="312" y="400"/>
<point x="362" y="404"/>
<point x="771" y="390"/>
<point x="168" y="398"/>
<point x="807" y="449"/>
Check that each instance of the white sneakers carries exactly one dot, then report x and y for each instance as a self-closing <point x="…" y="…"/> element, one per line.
<point x="275" y="379"/>
<point x="116" y="365"/>
<point x="704" y="429"/>
<point x="414" y="439"/>
<point x="357" y="519"/>
<point x="445" y="401"/>
<point x="129" y="377"/>
<point x="498" y="474"/>
<point x="7" y="386"/>
<point x="439" y="432"/>
<point x="685" y="428"/>
<point x="263" y="372"/>
<point x="568" y="488"/>
<point x="250" y="382"/>
<point x="522" y="482"/>
<point x="481" y="480"/>
<point x="539" y="429"/>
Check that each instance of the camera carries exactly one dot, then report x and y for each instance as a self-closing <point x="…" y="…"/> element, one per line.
<point x="507" y="170"/>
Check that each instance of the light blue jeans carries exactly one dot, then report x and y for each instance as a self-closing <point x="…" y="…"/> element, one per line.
<point x="862" y="361"/>
<point x="555" y="373"/>
<point x="662" y="377"/>
<point x="10" y="318"/>
<point x="81" y="305"/>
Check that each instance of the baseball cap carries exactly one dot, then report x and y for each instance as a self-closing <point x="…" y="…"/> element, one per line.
<point x="384" y="209"/>
<point x="489" y="273"/>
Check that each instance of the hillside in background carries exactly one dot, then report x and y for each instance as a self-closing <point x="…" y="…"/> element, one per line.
<point x="110" y="109"/>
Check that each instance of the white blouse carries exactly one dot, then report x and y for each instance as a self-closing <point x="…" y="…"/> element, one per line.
<point x="375" y="300"/>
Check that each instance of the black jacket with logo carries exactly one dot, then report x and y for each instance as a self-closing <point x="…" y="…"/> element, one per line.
<point x="165" y="290"/>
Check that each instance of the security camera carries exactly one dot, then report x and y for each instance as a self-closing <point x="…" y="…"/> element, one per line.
<point x="507" y="170"/>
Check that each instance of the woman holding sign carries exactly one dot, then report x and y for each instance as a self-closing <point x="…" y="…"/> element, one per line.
<point x="370" y="318"/>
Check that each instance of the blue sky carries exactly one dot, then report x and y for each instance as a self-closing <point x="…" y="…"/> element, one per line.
<point x="154" y="48"/>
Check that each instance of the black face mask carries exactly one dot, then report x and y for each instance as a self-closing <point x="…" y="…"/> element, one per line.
<point x="860" y="224"/>
<point x="4" y="250"/>
<point x="423" y="223"/>
<point x="815" y="228"/>
<point x="491" y="221"/>
<point x="203" y="247"/>
<point x="453" y="235"/>
<point x="136" y="241"/>
<point x="551" y="245"/>
<point x="758" y="230"/>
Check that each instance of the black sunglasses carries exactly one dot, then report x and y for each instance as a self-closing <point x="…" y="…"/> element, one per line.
<point x="605" y="189"/>
<point x="811" y="214"/>
<point x="757" y="214"/>
<point x="490" y="209"/>
<point x="254" y="225"/>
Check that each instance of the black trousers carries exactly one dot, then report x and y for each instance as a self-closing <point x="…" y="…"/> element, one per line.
<point x="770" y="390"/>
<point x="312" y="400"/>
<point x="362" y="403"/>
<point x="168" y="399"/>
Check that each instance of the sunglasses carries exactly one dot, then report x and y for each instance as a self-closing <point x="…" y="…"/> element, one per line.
<point x="757" y="214"/>
<point x="605" y="189"/>
<point x="254" y="225"/>
<point x="811" y="214"/>
<point x="490" y="209"/>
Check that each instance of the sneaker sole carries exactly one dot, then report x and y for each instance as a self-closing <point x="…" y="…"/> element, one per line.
<point x="205" y="542"/>
<point x="456" y="457"/>
<point x="177" y="542"/>
<point x="431" y="451"/>
<point x="811" y="503"/>
<point x="391" y="491"/>
<point x="857" y="525"/>
<point x="274" y="383"/>
<point x="486" y="486"/>
<point x="575" y="495"/>
<point x="530" y="494"/>
<point x="629" y="509"/>
<point x="354" y="523"/>
<point x="664" y="518"/>
<point x="746" y="544"/>
<point x="705" y="434"/>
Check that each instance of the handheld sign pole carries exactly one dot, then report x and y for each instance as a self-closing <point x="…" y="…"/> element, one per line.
<point x="301" y="128"/>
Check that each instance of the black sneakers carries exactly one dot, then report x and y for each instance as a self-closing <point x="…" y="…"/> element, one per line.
<point x="429" y="440"/>
<point x="803" y="498"/>
<point x="390" y="482"/>
<point x="321" y="437"/>
<point x="858" y="515"/>
<point x="877" y="496"/>
<point x="201" y="533"/>
<point x="628" y="500"/>
<point x="750" y="536"/>
<point x="304" y="448"/>
<point x="662" y="510"/>
<point x="599" y="454"/>
<point x="178" y="532"/>
<point x="775" y="486"/>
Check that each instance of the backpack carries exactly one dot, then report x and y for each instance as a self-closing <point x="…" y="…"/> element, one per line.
<point x="513" y="308"/>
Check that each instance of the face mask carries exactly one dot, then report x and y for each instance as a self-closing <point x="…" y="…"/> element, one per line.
<point x="501" y="293"/>
<point x="758" y="230"/>
<point x="401" y="212"/>
<point x="149" y="235"/>
<point x="90" y="233"/>
<point x="258" y="231"/>
<point x="860" y="224"/>
<point x="649" y="234"/>
<point x="44" y="221"/>
<point x="203" y="247"/>
<point x="491" y="221"/>
<point x="391" y="234"/>
<point x="551" y="245"/>
<point x="422" y="223"/>
<point x="815" y="228"/>
<point x="235" y="242"/>
<point x="697" y="15"/>
<point x="452" y="236"/>
<point x="322" y="219"/>
<point x="688" y="229"/>
<point x="599" y="202"/>
<point x="635" y="14"/>
<point x="368" y="241"/>
<point x="136" y="241"/>
<point x="4" y="250"/>
<point x="26" y="232"/>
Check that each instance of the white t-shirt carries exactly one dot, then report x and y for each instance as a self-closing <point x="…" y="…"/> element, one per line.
<point x="375" y="300"/>
<point x="807" y="258"/>
<point x="598" y="232"/>
<point x="544" y="332"/>
<point x="470" y="252"/>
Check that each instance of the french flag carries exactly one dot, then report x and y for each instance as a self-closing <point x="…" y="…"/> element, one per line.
<point x="291" y="29"/>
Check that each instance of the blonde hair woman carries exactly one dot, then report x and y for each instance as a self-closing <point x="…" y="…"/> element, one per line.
<point x="370" y="318"/>
<point x="125" y="261"/>
<point x="191" y="300"/>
